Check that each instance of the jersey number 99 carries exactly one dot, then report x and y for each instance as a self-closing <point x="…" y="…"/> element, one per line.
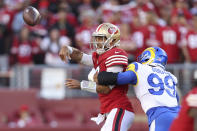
<point x="159" y="85"/>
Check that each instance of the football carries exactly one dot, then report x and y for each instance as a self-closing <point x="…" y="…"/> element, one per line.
<point x="31" y="16"/>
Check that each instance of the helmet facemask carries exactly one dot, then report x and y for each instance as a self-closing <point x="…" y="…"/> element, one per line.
<point x="154" y="56"/>
<point x="106" y="37"/>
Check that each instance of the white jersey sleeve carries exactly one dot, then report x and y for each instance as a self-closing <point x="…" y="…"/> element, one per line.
<point x="115" y="68"/>
<point x="86" y="60"/>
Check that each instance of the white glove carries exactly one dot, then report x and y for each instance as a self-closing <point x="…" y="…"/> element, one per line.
<point x="100" y="118"/>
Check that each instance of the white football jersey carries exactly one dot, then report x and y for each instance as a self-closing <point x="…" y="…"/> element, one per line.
<point x="155" y="86"/>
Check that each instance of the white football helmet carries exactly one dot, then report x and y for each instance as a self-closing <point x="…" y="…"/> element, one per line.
<point x="109" y="33"/>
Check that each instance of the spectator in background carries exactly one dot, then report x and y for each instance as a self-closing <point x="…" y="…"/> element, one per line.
<point x="45" y="21"/>
<point x="2" y="39"/>
<point x="84" y="32"/>
<point x="85" y="5"/>
<point x="193" y="10"/>
<point x="152" y="26"/>
<point x="187" y="117"/>
<point x="169" y="38"/>
<point x="38" y="32"/>
<point x="18" y="21"/>
<point x="51" y="45"/>
<point x="63" y="25"/>
<point x="189" y="43"/>
<point x="127" y="43"/>
<point x="6" y="17"/>
<point x="24" y="118"/>
<point x="9" y="10"/>
<point x="3" y="119"/>
<point x="70" y="17"/>
<point x="139" y="35"/>
<point x="181" y="7"/>
<point x="142" y="7"/>
<point x="108" y="8"/>
<point x="39" y="54"/>
<point x="22" y="48"/>
<point x="116" y="18"/>
<point x="180" y="22"/>
<point x="93" y="7"/>
<point x="117" y="12"/>
<point x="64" y="21"/>
<point x="165" y="13"/>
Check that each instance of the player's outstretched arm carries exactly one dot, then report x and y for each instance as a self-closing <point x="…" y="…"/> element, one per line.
<point x="121" y="78"/>
<point x="87" y="86"/>
<point x="68" y="52"/>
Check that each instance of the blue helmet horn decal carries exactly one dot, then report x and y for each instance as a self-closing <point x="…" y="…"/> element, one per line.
<point x="153" y="55"/>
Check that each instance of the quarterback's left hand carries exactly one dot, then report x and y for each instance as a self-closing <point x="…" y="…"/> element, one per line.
<point x="102" y="89"/>
<point x="73" y="84"/>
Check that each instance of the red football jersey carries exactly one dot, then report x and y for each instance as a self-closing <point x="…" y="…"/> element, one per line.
<point x="117" y="98"/>
<point x="83" y="36"/>
<point x="23" y="51"/>
<point x="184" y="122"/>
<point x="185" y="11"/>
<point x="169" y="38"/>
<point x="191" y="45"/>
<point x="152" y="34"/>
<point x="140" y="36"/>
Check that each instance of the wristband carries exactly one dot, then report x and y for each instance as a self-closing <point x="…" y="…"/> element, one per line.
<point x="89" y="86"/>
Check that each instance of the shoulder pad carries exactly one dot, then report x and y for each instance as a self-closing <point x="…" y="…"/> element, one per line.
<point x="133" y="67"/>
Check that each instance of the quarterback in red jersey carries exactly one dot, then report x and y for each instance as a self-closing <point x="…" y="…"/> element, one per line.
<point x="115" y="108"/>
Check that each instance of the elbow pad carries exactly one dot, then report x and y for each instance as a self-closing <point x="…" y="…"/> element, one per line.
<point x="107" y="78"/>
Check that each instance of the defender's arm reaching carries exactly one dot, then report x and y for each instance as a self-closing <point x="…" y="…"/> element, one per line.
<point x="121" y="78"/>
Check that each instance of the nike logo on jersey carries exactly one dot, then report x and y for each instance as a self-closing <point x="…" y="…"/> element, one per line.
<point x="117" y="52"/>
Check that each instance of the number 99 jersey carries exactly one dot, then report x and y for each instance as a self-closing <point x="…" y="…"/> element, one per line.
<point x="154" y="87"/>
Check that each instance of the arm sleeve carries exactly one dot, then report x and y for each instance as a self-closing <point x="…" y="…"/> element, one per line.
<point x="115" y="69"/>
<point x="87" y="60"/>
<point x="109" y="78"/>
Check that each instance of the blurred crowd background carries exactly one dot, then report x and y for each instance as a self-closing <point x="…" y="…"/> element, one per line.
<point x="170" y="24"/>
<point x="29" y="55"/>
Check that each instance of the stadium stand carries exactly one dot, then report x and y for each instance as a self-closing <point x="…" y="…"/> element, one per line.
<point x="69" y="114"/>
